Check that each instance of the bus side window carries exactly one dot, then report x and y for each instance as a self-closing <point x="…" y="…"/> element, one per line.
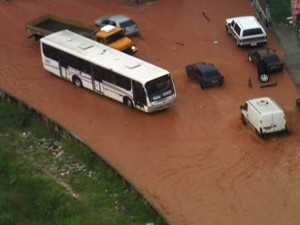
<point x="72" y="61"/>
<point x="50" y="52"/>
<point x="64" y="59"/>
<point x="98" y="73"/>
<point x="106" y="75"/>
<point x="124" y="82"/>
<point x="83" y="66"/>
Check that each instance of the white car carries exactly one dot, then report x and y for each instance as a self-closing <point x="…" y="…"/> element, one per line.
<point x="127" y="24"/>
<point x="246" y="30"/>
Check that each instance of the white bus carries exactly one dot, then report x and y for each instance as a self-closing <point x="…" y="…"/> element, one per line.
<point x="107" y="71"/>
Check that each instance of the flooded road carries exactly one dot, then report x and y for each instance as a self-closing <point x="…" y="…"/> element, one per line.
<point x="196" y="162"/>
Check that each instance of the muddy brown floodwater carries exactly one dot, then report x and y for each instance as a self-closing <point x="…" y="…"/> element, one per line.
<point x="196" y="163"/>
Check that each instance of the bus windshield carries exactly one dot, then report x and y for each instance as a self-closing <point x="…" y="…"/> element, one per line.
<point x="160" y="88"/>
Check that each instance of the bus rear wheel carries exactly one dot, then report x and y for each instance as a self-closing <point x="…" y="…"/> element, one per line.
<point x="128" y="102"/>
<point x="77" y="82"/>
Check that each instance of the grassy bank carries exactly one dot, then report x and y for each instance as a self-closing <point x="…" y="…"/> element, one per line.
<point x="47" y="179"/>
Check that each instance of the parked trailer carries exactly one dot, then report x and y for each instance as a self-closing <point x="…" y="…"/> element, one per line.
<point x="108" y="35"/>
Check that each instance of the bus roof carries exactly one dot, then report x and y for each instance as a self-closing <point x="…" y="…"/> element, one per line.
<point x="104" y="56"/>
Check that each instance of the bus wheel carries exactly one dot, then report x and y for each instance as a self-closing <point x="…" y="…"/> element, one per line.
<point x="128" y="102"/>
<point x="77" y="82"/>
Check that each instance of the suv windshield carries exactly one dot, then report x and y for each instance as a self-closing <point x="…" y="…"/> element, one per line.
<point x="160" y="88"/>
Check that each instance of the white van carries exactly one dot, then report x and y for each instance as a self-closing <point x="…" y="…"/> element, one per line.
<point x="246" y="30"/>
<point x="264" y="115"/>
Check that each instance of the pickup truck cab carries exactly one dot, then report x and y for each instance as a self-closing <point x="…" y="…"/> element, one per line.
<point x="246" y="30"/>
<point x="114" y="37"/>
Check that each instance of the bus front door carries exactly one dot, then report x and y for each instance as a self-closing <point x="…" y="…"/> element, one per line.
<point x="97" y="81"/>
<point x="139" y="95"/>
<point x="63" y="72"/>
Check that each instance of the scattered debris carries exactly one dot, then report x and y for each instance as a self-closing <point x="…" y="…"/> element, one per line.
<point x="205" y="16"/>
<point x="56" y="162"/>
<point x="249" y="83"/>
<point x="178" y="43"/>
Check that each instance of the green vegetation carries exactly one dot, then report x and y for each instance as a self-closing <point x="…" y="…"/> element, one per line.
<point x="47" y="179"/>
<point x="280" y="10"/>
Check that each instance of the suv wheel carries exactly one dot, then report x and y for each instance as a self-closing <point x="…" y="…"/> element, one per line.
<point x="244" y="121"/>
<point x="250" y="58"/>
<point x="227" y="30"/>
<point x="263" y="77"/>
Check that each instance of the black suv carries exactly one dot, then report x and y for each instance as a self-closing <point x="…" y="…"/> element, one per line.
<point x="266" y="61"/>
<point x="205" y="74"/>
